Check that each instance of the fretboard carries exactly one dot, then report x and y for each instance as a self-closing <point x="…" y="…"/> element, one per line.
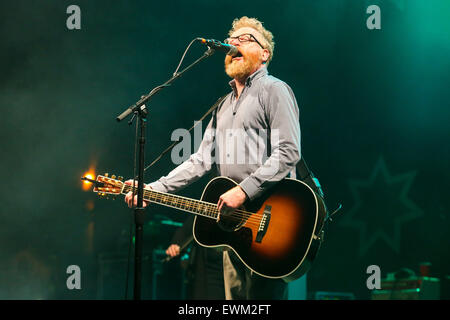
<point x="205" y="209"/>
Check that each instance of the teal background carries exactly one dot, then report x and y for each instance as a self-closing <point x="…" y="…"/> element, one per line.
<point x="374" y="108"/>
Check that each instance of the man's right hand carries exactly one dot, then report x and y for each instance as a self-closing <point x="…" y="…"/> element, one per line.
<point x="128" y="198"/>
<point x="173" y="250"/>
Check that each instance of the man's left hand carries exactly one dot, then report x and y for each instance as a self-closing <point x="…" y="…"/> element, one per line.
<point x="232" y="199"/>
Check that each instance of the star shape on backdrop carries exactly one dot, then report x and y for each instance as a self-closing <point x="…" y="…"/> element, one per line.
<point x="381" y="207"/>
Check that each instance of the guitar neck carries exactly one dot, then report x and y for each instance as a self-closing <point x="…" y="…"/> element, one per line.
<point x="197" y="207"/>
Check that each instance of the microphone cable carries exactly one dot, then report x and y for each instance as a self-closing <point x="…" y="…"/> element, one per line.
<point x="184" y="54"/>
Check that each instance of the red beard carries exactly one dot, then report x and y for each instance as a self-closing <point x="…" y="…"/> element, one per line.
<point x="241" y="68"/>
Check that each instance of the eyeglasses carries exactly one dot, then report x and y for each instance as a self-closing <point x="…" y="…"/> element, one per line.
<point x="243" y="38"/>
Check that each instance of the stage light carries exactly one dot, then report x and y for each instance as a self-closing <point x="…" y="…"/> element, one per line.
<point x="86" y="185"/>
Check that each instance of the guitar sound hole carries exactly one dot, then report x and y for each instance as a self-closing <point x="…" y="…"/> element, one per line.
<point x="230" y="222"/>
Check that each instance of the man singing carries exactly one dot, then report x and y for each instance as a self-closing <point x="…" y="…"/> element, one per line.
<point x="257" y="103"/>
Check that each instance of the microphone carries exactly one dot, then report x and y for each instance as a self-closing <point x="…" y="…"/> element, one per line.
<point x="217" y="45"/>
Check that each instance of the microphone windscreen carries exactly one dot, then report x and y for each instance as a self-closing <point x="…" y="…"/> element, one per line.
<point x="233" y="51"/>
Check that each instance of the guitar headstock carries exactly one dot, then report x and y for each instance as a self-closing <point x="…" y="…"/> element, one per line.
<point x="105" y="185"/>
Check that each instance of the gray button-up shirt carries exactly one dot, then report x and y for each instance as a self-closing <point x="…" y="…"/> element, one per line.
<point x="257" y="140"/>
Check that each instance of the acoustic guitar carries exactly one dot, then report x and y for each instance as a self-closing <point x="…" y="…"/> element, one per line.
<point x="276" y="235"/>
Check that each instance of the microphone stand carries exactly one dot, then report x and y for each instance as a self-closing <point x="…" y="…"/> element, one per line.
<point x="140" y="110"/>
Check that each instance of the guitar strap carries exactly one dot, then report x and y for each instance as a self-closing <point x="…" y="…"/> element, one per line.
<point x="306" y="175"/>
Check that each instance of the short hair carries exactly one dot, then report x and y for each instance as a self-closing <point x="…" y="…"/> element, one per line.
<point x="254" y="23"/>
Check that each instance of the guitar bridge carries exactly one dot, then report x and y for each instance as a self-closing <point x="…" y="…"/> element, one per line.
<point x="264" y="224"/>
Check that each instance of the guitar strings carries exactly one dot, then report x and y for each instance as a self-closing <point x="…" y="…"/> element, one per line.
<point x="252" y="218"/>
<point x="209" y="210"/>
<point x="212" y="208"/>
<point x="191" y="204"/>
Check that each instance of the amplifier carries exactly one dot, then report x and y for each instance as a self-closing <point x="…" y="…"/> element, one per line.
<point x="413" y="288"/>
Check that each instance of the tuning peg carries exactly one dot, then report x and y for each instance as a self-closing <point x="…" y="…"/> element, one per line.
<point x="114" y="198"/>
<point x="106" y="174"/>
<point x="113" y="176"/>
<point x="120" y="178"/>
